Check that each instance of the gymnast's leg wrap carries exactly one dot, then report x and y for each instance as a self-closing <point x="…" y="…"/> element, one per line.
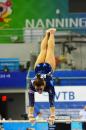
<point x="30" y="111"/>
<point x="52" y="111"/>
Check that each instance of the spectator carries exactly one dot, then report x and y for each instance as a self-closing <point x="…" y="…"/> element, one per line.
<point x="82" y="116"/>
<point x="82" y="113"/>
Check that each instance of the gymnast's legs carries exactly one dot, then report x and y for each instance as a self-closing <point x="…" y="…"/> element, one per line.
<point x="43" y="50"/>
<point x="47" y="49"/>
<point x="50" y="56"/>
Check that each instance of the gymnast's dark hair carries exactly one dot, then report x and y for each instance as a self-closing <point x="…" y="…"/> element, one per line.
<point x="39" y="81"/>
<point x="38" y="76"/>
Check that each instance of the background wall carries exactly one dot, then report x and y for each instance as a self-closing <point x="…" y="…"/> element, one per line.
<point x="14" y="106"/>
<point x="21" y="51"/>
<point x="17" y="107"/>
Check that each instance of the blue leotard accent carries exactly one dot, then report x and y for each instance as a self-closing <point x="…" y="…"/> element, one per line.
<point x="43" y="68"/>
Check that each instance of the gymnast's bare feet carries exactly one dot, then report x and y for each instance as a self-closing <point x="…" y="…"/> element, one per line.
<point x="51" y="31"/>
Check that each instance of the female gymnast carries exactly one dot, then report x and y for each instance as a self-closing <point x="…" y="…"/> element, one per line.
<point x="43" y="80"/>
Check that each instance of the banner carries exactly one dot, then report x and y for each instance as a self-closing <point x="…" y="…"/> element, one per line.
<point x="13" y="80"/>
<point x="65" y="97"/>
<point x="25" y="126"/>
<point x="44" y="14"/>
<point x="64" y="94"/>
<point x="17" y="14"/>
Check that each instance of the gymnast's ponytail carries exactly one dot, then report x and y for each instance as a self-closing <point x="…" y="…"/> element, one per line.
<point x="39" y="81"/>
<point x="38" y="76"/>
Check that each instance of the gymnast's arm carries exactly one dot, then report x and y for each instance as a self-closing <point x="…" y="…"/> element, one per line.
<point x="31" y="101"/>
<point x="51" y="101"/>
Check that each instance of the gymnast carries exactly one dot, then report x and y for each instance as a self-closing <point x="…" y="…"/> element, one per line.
<point x="43" y="80"/>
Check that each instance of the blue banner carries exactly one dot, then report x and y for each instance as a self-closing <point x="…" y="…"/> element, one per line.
<point x="67" y="77"/>
<point x="76" y="125"/>
<point x="40" y="126"/>
<point x="13" y="79"/>
<point x="25" y="126"/>
<point x="60" y="105"/>
<point x="17" y="79"/>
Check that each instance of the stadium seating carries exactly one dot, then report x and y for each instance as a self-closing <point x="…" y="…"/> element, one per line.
<point x="10" y="64"/>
